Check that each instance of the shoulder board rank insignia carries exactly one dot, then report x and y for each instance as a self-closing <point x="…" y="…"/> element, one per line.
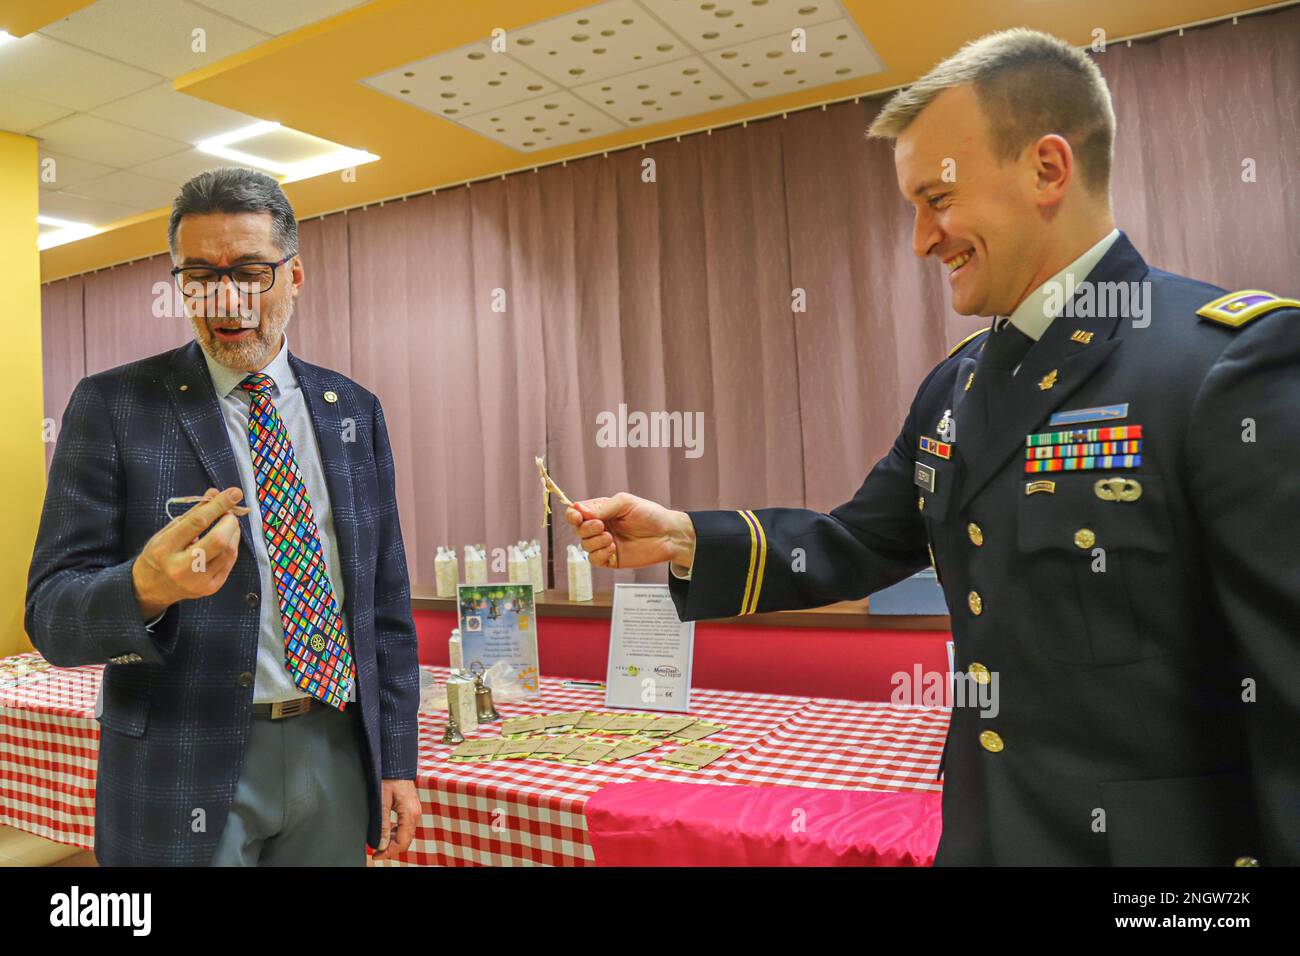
<point x="958" y="347"/>
<point x="1237" y="308"/>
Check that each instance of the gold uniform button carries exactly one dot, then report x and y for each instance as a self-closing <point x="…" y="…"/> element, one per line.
<point x="979" y="672"/>
<point x="1084" y="538"/>
<point x="976" y="534"/>
<point x="976" y="603"/>
<point x="1246" y="861"/>
<point x="991" y="741"/>
<point x="920" y="503"/>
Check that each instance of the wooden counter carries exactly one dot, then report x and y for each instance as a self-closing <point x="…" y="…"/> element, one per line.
<point x="845" y="614"/>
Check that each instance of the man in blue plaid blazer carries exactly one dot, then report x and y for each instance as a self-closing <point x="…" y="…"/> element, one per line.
<point x="213" y="749"/>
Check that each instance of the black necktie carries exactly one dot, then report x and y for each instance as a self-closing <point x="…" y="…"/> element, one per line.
<point x="1004" y="349"/>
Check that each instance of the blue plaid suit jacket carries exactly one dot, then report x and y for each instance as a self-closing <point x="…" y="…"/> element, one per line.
<point x="177" y="702"/>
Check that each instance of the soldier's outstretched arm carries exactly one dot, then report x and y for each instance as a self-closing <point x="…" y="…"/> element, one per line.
<point x="729" y="563"/>
<point x="1243" y="462"/>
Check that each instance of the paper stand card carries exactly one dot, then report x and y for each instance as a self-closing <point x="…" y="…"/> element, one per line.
<point x="497" y="623"/>
<point x="650" y="651"/>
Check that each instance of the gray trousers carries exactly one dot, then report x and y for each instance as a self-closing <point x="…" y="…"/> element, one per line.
<point x="301" y="795"/>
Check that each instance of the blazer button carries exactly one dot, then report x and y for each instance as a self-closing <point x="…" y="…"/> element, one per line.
<point x="991" y="741"/>
<point x="246" y="679"/>
<point x="1246" y="861"/>
<point x="251" y="599"/>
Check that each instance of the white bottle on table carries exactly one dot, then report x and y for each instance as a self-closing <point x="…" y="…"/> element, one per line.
<point x="445" y="572"/>
<point x="579" y="574"/>
<point x="456" y="650"/>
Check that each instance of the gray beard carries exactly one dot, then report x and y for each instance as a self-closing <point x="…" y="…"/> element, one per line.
<point x="256" y="351"/>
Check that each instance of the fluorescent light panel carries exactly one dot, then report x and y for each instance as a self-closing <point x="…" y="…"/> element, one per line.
<point x="65" y="231"/>
<point x="340" y="157"/>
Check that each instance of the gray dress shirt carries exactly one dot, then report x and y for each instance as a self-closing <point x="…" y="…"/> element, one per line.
<point x="273" y="681"/>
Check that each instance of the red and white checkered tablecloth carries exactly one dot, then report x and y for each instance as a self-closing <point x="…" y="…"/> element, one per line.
<point x="503" y="813"/>
<point x="49" y="747"/>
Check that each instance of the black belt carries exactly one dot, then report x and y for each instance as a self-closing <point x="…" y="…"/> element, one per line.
<point x="283" y="708"/>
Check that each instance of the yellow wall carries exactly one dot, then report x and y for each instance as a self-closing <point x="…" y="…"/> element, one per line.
<point x="22" y="476"/>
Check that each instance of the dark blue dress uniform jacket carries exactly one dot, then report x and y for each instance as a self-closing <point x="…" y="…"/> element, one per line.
<point x="1164" y="691"/>
<point x="177" y="703"/>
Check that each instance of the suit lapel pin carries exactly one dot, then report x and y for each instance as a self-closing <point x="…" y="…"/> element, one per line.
<point x="1080" y="336"/>
<point x="331" y="397"/>
<point x="1048" y="380"/>
<point x="968" y="382"/>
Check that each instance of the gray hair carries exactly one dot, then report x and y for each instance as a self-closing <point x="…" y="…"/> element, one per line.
<point x="233" y="189"/>
<point x="1029" y="84"/>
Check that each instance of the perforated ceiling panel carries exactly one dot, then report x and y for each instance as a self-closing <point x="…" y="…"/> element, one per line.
<point x="463" y="82"/>
<point x="681" y="88"/>
<point x="712" y="25"/>
<point x="542" y="123"/>
<point x="629" y="63"/>
<point x="595" y="43"/>
<point x="768" y="67"/>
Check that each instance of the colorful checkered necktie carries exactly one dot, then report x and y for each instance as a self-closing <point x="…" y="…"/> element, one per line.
<point x="316" y="649"/>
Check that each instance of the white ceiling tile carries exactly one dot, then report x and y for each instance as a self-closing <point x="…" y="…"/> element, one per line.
<point x="180" y="167"/>
<point x="663" y="92"/>
<point x="542" y="123"/>
<point x="595" y="42"/>
<point x="89" y="137"/>
<point x="835" y="52"/>
<point x="18" y="114"/>
<point x="96" y="212"/>
<point x="157" y="35"/>
<point x="129" y="189"/>
<point x="54" y="72"/>
<point x="710" y="24"/>
<point x="68" y="172"/>
<point x="160" y="109"/>
<point x="463" y="82"/>
<point x="280" y="16"/>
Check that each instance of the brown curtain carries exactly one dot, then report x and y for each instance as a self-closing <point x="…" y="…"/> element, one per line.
<point x="63" y="350"/>
<point x="1190" y="111"/>
<point x="501" y="320"/>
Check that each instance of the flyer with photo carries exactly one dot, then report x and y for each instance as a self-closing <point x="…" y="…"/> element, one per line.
<point x="498" y="623"/>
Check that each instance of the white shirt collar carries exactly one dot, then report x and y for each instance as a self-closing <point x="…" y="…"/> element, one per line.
<point x="1032" y="316"/>
<point x="226" y="380"/>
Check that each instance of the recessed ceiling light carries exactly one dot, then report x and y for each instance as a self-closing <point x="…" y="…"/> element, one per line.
<point x="328" y="161"/>
<point x="66" y="230"/>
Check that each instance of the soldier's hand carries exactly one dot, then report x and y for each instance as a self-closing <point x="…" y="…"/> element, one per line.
<point x="177" y="564"/>
<point x="630" y="532"/>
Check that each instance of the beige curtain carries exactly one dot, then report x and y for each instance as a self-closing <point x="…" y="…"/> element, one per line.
<point x="501" y="320"/>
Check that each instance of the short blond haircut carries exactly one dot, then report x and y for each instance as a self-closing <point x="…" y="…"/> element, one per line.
<point x="1029" y="84"/>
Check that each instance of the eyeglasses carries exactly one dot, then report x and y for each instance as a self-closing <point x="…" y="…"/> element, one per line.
<point x="249" y="278"/>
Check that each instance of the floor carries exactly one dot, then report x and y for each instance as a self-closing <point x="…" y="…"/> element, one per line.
<point x="24" y="849"/>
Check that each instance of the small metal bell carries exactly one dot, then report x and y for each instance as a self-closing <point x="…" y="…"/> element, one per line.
<point x="452" y="734"/>
<point x="487" y="711"/>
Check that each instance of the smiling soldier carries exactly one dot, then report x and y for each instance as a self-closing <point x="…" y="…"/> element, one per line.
<point x="1101" y="494"/>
